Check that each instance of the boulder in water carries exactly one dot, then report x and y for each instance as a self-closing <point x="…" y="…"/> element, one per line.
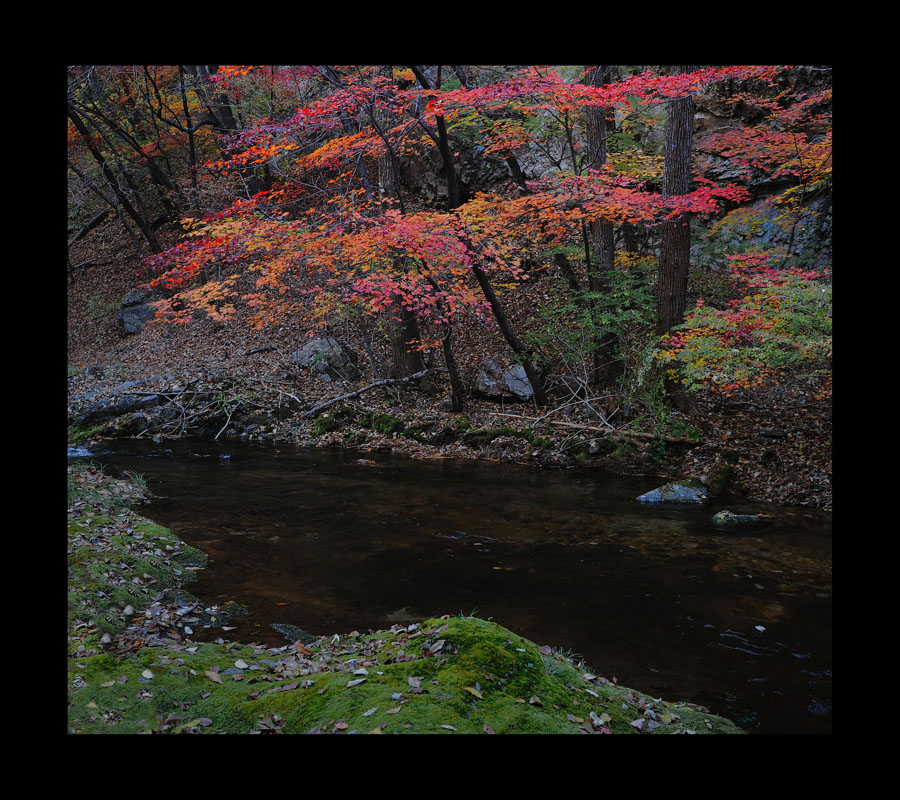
<point x="730" y="518"/>
<point x="690" y="490"/>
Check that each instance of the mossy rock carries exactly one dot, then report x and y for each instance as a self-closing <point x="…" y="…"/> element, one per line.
<point x="324" y="424"/>
<point x="79" y="434"/>
<point x="479" y="678"/>
<point x="730" y="518"/>
<point x="484" y="436"/>
<point x="690" y="490"/>
<point x="382" y="423"/>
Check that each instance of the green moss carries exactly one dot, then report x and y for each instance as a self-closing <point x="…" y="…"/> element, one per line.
<point x="483" y="436"/>
<point x="324" y="424"/>
<point x="416" y="432"/>
<point x="721" y="478"/>
<point x="382" y="423"/>
<point x="78" y="434"/>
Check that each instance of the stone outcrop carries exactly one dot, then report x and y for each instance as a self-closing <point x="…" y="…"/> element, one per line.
<point x="501" y="380"/>
<point x="327" y="359"/>
<point x="137" y="309"/>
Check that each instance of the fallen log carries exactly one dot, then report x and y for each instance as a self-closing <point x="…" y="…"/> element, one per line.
<point x="88" y="227"/>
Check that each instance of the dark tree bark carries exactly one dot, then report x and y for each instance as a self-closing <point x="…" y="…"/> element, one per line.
<point x="518" y="347"/>
<point x="675" y="248"/>
<point x="192" y="148"/>
<point x="443" y="144"/>
<point x="607" y="366"/>
<point x="674" y="259"/>
<point x="597" y="132"/>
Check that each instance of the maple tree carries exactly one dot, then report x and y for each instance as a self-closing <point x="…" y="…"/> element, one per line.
<point x="325" y="224"/>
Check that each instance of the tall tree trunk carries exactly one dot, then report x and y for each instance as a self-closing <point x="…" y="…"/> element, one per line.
<point x="405" y="340"/>
<point x="675" y="249"/>
<point x="192" y="148"/>
<point x="403" y="327"/>
<point x="607" y="366"/>
<point x="457" y="389"/>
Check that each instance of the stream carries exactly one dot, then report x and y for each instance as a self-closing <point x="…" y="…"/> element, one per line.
<point x="662" y="600"/>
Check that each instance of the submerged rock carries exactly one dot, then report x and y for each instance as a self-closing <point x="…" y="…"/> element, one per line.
<point x="686" y="491"/>
<point x="294" y="633"/>
<point x="730" y="518"/>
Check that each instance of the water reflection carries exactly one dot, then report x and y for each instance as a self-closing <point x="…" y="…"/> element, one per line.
<point x="662" y="599"/>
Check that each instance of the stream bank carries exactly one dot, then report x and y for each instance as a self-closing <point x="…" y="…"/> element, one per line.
<point x="782" y="457"/>
<point x="134" y="667"/>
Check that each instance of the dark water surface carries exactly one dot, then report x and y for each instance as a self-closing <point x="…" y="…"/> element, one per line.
<point x="661" y="599"/>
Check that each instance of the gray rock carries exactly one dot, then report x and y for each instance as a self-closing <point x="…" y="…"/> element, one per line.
<point x="686" y="491"/>
<point x="499" y="379"/>
<point x="327" y="359"/>
<point x="134" y="318"/>
<point x="136" y="297"/>
<point x="136" y="309"/>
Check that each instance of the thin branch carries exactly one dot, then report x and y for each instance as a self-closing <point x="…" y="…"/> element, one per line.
<point x="387" y="381"/>
<point x="613" y="432"/>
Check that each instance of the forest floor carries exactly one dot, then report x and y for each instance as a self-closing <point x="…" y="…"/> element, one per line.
<point x="772" y="445"/>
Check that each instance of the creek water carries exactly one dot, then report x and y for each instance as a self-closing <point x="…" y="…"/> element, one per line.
<point x="737" y="619"/>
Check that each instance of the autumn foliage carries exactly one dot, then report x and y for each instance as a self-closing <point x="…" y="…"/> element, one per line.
<point x="326" y="235"/>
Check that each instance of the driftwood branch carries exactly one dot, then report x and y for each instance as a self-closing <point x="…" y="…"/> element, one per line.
<point x="386" y="382"/>
<point x="228" y="421"/>
<point x="610" y="432"/>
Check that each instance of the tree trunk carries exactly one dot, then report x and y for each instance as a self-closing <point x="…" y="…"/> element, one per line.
<point x="675" y="249"/>
<point x="443" y="143"/>
<point x="405" y="340"/>
<point x="219" y="106"/>
<point x="607" y="366"/>
<point x="674" y="259"/>
<point x="514" y="342"/>
<point x="457" y="389"/>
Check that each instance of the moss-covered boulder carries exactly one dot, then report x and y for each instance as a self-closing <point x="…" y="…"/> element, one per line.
<point x="730" y="518"/>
